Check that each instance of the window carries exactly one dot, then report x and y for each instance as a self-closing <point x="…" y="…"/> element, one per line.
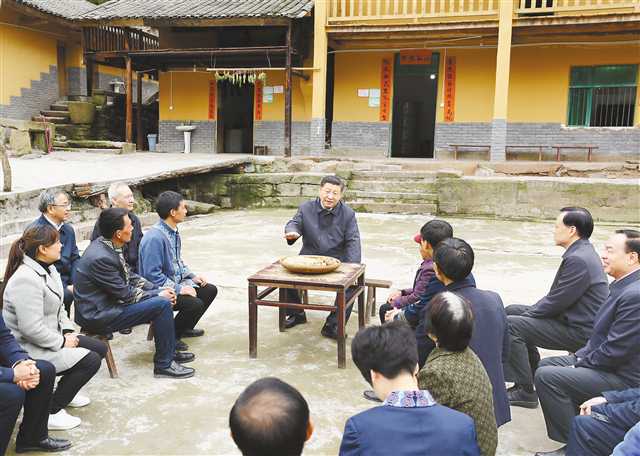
<point x="602" y="96"/>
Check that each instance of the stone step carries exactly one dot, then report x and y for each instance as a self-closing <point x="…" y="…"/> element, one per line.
<point x="394" y="175"/>
<point x="394" y="208"/>
<point x="390" y="197"/>
<point x="55" y="113"/>
<point x="55" y="120"/>
<point x="392" y="186"/>
<point x="60" y="105"/>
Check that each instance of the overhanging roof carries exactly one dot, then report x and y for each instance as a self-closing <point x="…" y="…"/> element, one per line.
<point x="67" y="9"/>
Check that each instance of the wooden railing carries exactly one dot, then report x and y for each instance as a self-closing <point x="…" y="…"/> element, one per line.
<point x="568" y="7"/>
<point x="113" y="39"/>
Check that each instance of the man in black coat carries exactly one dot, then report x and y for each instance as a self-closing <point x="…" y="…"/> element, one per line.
<point x="563" y="319"/>
<point x="611" y="358"/>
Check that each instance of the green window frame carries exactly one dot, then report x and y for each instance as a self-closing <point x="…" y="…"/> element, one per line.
<point x="602" y="96"/>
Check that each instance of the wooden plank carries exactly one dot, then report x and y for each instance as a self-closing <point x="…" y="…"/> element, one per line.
<point x="378" y="283"/>
<point x="129" y="103"/>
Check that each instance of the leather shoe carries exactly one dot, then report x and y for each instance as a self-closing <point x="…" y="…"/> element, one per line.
<point x="50" y="445"/>
<point x="521" y="398"/>
<point x="183" y="357"/>
<point x="174" y="370"/>
<point x="559" y="452"/>
<point x="371" y="395"/>
<point x="331" y="332"/>
<point x="126" y="331"/>
<point x="295" y="319"/>
<point x="193" y="333"/>
<point x="181" y="346"/>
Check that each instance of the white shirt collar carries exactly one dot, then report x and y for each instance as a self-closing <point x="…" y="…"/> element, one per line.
<point x="627" y="275"/>
<point x="57" y="227"/>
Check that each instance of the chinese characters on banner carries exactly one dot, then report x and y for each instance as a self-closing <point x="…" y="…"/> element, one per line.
<point x="418" y="57"/>
<point x="449" y="89"/>
<point x="258" y="100"/>
<point x="212" y="99"/>
<point x="385" y="88"/>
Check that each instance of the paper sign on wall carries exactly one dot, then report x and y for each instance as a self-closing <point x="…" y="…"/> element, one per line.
<point x="278" y="89"/>
<point x="363" y="93"/>
<point x="267" y="98"/>
<point x="267" y="89"/>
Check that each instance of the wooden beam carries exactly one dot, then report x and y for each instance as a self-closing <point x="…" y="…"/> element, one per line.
<point x="128" y="76"/>
<point x="139" y="129"/>
<point x="89" y="69"/>
<point x="287" y="96"/>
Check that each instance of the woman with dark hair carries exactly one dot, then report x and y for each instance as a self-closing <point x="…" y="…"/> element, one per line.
<point x="32" y="307"/>
<point x="453" y="374"/>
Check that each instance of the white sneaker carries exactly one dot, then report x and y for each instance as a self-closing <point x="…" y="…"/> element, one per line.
<point x="62" y="421"/>
<point x="79" y="401"/>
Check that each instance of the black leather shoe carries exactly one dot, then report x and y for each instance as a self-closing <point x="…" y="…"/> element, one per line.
<point x="183" y="357"/>
<point x="521" y="398"/>
<point x="126" y="331"/>
<point x="559" y="452"/>
<point x="295" y="319"/>
<point x="193" y="333"/>
<point x="371" y="395"/>
<point x="174" y="370"/>
<point x="330" y="331"/>
<point x="181" y="346"/>
<point x="50" y="445"/>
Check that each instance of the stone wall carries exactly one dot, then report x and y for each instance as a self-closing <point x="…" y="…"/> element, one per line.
<point x="349" y="138"/>
<point x="271" y="134"/>
<point x="35" y="98"/>
<point x="203" y="138"/>
<point x="77" y="83"/>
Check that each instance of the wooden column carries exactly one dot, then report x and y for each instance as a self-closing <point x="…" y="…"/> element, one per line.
<point x="287" y="96"/>
<point x="128" y="83"/>
<point x="139" y="129"/>
<point x="89" y="68"/>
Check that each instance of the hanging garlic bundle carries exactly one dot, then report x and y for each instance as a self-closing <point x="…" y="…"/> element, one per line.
<point x="240" y="77"/>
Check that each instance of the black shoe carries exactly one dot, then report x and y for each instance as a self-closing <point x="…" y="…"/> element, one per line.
<point x="181" y="346"/>
<point x="126" y="331"/>
<point x="330" y="331"/>
<point x="183" y="357"/>
<point x="50" y="445"/>
<point x="193" y="333"/>
<point x="559" y="452"/>
<point x="174" y="370"/>
<point x="521" y="398"/>
<point x="295" y="319"/>
<point x="371" y="395"/>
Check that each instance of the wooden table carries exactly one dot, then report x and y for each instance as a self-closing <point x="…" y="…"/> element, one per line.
<point x="276" y="277"/>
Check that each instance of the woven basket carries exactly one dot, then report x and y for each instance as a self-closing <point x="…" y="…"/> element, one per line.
<point x="310" y="264"/>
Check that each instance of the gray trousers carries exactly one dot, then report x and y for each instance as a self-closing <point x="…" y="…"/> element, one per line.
<point x="562" y="388"/>
<point x="527" y="334"/>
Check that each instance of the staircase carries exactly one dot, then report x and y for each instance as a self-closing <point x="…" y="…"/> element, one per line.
<point x="57" y="114"/>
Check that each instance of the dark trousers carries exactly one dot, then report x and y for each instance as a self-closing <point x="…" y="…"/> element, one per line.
<point x="76" y="377"/>
<point x="292" y="295"/>
<point x="159" y="311"/>
<point x="191" y="309"/>
<point x="562" y="388"/>
<point x="384" y="308"/>
<point x="36" y="408"/>
<point x="593" y="437"/>
<point x="67" y="300"/>
<point x="527" y="334"/>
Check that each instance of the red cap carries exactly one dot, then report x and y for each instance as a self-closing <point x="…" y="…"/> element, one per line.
<point x="417" y="238"/>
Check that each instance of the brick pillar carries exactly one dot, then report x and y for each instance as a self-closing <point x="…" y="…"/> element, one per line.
<point x="498" y="139"/>
<point x="317" y="136"/>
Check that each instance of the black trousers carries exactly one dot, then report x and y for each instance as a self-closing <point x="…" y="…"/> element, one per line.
<point x="593" y="437"/>
<point x="36" y="408"/>
<point x="67" y="300"/>
<point x="562" y="388"/>
<point x="75" y="378"/>
<point x="293" y="296"/>
<point x="191" y="309"/>
<point x="527" y="334"/>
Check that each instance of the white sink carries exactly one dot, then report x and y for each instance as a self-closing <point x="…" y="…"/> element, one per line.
<point x="186" y="127"/>
<point x="186" y="130"/>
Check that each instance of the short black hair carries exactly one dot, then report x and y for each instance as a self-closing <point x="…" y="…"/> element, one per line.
<point x="166" y="202"/>
<point x="270" y="417"/>
<point x="580" y="218"/>
<point x="436" y="231"/>
<point x="333" y="180"/>
<point x="388" y="349"/>
<point x="111" y="220"/>
<point x="632" y="244"/>
<point x="450" y="319"/>
<point x="454" y="258"/>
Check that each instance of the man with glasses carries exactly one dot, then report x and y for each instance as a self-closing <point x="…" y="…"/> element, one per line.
<point x="55" y="207"/>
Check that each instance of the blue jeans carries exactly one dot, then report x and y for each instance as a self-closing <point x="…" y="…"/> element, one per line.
<point x="157" y="310"/>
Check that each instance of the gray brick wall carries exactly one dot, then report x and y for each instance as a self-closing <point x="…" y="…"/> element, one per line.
<point x="317" y="136"/>
<point x="498" y="139"/>
<point x="32" y="100"/>
<point x="271" y="134"/>
<point x="355" y="136"/>
<point x="203" y="138"/>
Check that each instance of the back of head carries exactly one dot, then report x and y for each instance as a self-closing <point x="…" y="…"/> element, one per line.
<point x="580" y="218"/>
<point x="269" y="418"/>
<point x="454" y="258"/>
<point x="166" y="202"/>
<point x="111" y="220"/>
<point x="389" y="349"/>
<point x="449" y="318"/>
<point x="436" y="231"/>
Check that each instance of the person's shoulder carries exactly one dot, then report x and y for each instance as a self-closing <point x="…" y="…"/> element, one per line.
<point x="372" y="414"/>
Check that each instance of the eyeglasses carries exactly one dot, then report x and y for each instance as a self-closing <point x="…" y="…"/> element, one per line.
<point x="66" y="206"/>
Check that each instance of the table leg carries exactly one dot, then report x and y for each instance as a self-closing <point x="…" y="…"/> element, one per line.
<point x="557" y="154"/>
<point x="341" y="339"/>
<point x="253" y="322"/>
<point x="363" y="315"/>
<point x="282" y="311"/>
<point x="589" y="154"/>
<point x="371" y="298"/>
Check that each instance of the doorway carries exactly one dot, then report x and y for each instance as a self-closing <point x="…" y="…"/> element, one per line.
<point x="415" y="93"/>
<point x="235" y="118"/>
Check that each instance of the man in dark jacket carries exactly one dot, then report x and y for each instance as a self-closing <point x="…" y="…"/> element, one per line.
<point x="109" y="297"/>
<point x="611" y="358"/>
<point x="29" y="384"/>
<point x="563" y="319"/>
<point x="55" y="207"/>
<point x="328" y="227"/>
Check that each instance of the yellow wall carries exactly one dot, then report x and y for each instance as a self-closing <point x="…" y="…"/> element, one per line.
<point x="301" y="92"/>
<point x="190" y="95"/>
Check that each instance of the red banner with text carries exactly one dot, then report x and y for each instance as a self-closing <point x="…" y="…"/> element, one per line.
<point x="213" y="108"/>
<point x="386" y="74"/>
<point x="258" y="101"/>
<point x="449" y="89"/>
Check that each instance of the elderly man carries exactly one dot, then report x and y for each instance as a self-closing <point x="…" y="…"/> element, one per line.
<point x="327" y="227"/>
<point x="55" y="207"/>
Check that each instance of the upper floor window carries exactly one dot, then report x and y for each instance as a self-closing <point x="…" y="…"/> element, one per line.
<point x="602" y="96"/>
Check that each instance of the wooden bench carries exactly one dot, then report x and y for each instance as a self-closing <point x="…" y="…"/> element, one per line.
<point x="456" y="148"/>
<point x="525" y="147"/>
<point x="370" y="303"/>
<point x="588" y="147"/>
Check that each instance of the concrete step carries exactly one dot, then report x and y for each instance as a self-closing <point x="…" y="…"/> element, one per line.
<point x="55" y="113"/>
<point x="55" y="120"/>
<point x="390" y="197"/>
<point x="392" y="186"/>
<point x="394" y="175"/>
<point x="61" y="105"/>
<point x="394" y="208"/>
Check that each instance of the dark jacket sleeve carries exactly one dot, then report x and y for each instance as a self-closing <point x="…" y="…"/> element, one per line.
<point x="105" y="274"/>
<point x="350" y="445"/>
<point x="295" y="225"/>
<point x="571" y="283"/>
<point x="10" y="353"/>
<point x="413" y="295"/>
<point x="621" y="414"/>
<point x="353" y="253"/>
<point x="95" y="234"/>
<point x="613" y="397"/>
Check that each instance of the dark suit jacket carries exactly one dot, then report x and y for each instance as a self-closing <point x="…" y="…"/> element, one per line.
<point x="386" y="430"/>
<point x="101" y="288"/>
<point x="578" y="290"/>
<point x="622" y="407"/>
<point x="130" y="249"/>
<point x="614" y="345"/>
<point x="10" y="353"/>
<point x="69" y="255"/>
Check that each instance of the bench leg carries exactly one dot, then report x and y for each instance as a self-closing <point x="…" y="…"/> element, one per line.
<point x="150" y="333"/>
<point x="371" y="297"/>
<point x="363" y="315"/>
<point x="342" y="346"/>
<point x="253" y="322"/>
<point x="282" y="312"/>
<point x="111" y="362"/>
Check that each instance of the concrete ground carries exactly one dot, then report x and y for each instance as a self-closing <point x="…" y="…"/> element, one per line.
<point x="137" y="414"/>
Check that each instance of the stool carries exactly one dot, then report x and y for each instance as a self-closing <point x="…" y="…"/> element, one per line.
<point x="111" y="362"/>
<point x="372" y="285"/>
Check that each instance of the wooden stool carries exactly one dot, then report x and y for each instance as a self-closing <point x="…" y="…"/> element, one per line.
<point x="111" y="362"/>
<point x="372" y="285"/>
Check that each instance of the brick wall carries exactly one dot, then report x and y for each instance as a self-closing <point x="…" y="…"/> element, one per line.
<point x="356" y="136"/>
<point x="203" y="138"/>
<point x="271" y="134"/>
<point x="35" y="98"/>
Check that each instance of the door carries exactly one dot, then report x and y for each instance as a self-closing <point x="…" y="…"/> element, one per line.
<point x="235" y="118"/>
